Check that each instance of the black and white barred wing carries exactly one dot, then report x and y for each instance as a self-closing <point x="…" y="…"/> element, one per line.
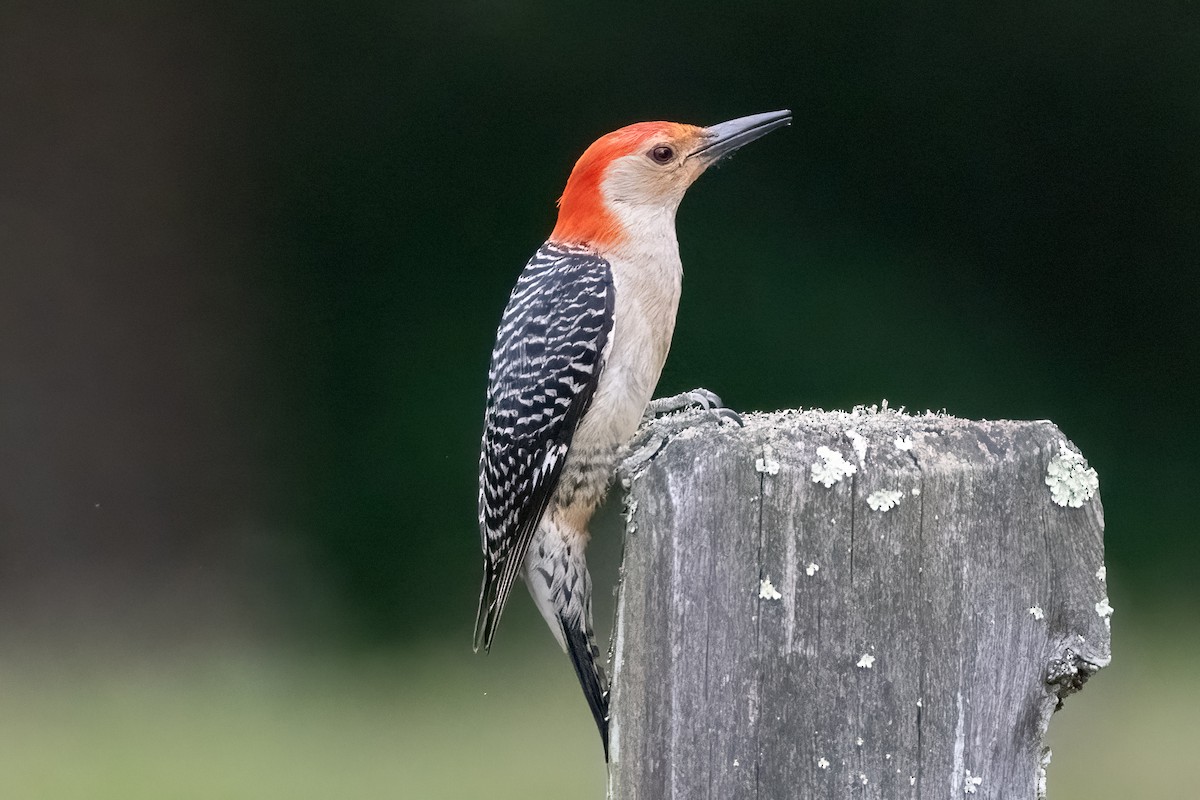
<point x="544" y="372"/>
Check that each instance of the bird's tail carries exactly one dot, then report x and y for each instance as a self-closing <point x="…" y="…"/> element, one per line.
<point x="487" y="615"/>
<point x="557" y="576"/>
<point x="585" y="657"/>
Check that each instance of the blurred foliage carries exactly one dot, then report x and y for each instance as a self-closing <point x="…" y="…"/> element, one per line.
<point x="273" y="240"/>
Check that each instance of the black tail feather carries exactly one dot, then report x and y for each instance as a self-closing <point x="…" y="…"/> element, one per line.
<point x="486" y="617"/>
<point x="492" y="597"/>
<point x="584" y="657"/>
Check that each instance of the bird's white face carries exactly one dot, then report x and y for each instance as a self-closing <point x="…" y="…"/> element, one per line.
<point x="657" y="173"/>
<point x="638" y="170"/>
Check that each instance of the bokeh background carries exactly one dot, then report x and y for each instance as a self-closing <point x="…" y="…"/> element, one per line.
<point x="252" y="256"/>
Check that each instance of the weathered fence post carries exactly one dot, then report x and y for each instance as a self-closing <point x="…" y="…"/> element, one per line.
<point x="864" y="604"/>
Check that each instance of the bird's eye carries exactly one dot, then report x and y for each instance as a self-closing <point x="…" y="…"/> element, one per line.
<point x="662" y="153"/>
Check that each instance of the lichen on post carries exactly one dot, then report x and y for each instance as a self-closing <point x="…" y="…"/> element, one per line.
<point x="867" y="604"/>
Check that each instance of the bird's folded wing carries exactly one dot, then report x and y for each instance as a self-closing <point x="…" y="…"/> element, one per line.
<point x="545" y="369"/>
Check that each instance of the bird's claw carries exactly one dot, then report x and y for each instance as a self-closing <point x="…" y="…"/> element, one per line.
<point x="640" y="454"/>
<point x="651" y="438"/>
<point x="705" y="399"/>
<point x="727" y="415"/>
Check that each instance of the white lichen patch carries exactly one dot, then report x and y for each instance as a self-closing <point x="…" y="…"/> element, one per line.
<point x="766" y="591"/>
<point x="1036" y="612"/>
<point x="1104" y="609"/>
<point x="769" y="467"/>
<point x="1072" y="482"/>
<point x="812" y="568"/>
<point x="1102" y="573"/>
<point x="866" y="662"/>
<point x="630" y="511"/>
<point x="916" y="491"/>
<point x="767" y="464"/>
<point x="859" y="742"/>
<point x="971" y="783"/>
<point x="903" y="443"/>
<point x="832" y="467"/>
<point x="884" y="499"/>
<point x="859" y="444"/>
<point x="823" y="762"/>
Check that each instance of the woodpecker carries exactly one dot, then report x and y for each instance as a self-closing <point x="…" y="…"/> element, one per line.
<point x="578" y="353"/>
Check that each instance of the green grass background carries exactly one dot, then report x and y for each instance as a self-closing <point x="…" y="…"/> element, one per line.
<point x="442" y="724"/>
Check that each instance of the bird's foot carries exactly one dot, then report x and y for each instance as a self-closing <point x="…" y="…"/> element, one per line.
<point x="706" y="400"/>
<point x="654" y="435"/>
<point x="641" y="450"/>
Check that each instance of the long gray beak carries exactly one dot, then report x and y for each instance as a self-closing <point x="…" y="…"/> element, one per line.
<point x="724" y="138"/>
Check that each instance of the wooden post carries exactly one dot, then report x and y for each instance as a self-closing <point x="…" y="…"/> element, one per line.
<point x="859" y="605"/>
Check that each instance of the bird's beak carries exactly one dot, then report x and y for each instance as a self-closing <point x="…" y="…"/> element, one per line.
<point x="722" y="139"/>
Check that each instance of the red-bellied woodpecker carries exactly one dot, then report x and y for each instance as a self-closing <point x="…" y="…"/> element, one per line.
<point x="578" y="353"/>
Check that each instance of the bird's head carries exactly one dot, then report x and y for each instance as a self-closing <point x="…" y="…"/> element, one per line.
<point x="638" y="174"/>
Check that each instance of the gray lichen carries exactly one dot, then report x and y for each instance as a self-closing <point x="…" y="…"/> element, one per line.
<point x="832" y="467"/>
<point x="1072" y="482"/>
<point x="767" y="591"/>
<point x="884" y="499"/>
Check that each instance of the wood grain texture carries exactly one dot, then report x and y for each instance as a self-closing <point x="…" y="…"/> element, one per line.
<point x="722" y="693"/>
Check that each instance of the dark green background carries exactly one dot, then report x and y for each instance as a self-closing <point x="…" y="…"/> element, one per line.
<point x="252" y="257"/>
